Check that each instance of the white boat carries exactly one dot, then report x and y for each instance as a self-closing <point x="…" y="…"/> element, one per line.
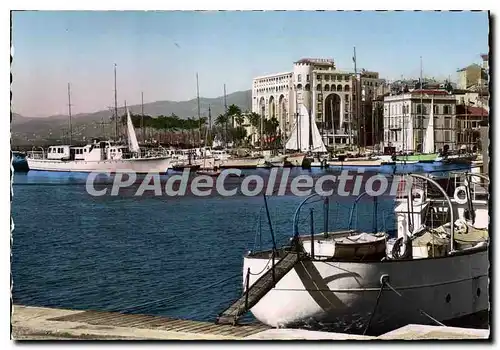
<point x="350" y="283"/>
<point x="242" y="163"/>
<point x="103" y="156"/>
<point x="295" y="159"/>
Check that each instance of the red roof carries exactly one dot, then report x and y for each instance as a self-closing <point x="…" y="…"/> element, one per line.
<point x="472" y="111"/>
<point x="430" y="92"/>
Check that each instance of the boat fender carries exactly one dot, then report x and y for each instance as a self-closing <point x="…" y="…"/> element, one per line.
<point x="457" y="192"/>
<point x="419" y="199"/>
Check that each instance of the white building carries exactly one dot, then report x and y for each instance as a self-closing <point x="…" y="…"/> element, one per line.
<point x="326" y="92"/>
<point x="407" y="121"/>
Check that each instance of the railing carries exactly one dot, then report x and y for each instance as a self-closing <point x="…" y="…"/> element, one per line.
<point x="36" y="154"/>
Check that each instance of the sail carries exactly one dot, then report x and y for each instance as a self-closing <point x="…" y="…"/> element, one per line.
<point x="317" y="142"/>
<point x="299" y="136"/>
<point x="429" y="131"/>
<point x="133" y="145"/>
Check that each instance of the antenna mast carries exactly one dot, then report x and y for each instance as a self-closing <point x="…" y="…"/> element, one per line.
<point x="69" y="112"/>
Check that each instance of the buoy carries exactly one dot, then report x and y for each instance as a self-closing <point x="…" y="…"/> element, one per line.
<point x="420" y="198"/>
<point x="457" y="198"/>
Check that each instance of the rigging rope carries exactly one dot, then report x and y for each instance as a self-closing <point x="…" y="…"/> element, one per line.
<point x="375" y="308"/>
<point x="411" y="302"/>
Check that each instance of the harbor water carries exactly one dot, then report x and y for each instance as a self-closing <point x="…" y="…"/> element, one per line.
<point x="151" y="254"/>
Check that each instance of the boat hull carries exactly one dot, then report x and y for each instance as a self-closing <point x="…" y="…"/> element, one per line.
<point x="295" y="160"/>
<point x="343" y="295"/>
<point x="242" y="163"/>
<point x="137" y="165"/>
<point x="418" y="157"/>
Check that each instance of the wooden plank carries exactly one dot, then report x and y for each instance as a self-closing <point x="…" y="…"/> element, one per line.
<point x="139" y="322"/>
<point x="203" y="327"/>
<point x="223" y="330"/>
<point x="193" y="324"/>
<point x="174" y="324"/>
<point x="259" y="289"/>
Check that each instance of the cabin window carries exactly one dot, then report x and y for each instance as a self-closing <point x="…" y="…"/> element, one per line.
<point x="59" y="150"/>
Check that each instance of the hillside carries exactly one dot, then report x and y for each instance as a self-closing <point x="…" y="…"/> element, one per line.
<point x="25" y="129"/>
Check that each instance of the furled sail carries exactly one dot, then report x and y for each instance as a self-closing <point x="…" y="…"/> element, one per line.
<point x="133" y="145"/>
<point x="429" y="131"/>
<point x="299" y="137"/>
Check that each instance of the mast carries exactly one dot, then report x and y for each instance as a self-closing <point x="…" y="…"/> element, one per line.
<point x="225" y="112"/>
<point x="298" y="125"/>
<point x="209" y="128"/>
<point x="69" y="113"/>
<point x="421" y="122"/>
<point x="142" y="117"/>
<point x="333" y="123"/>
<point x="358" y="96"/>
<point x="116" y="110"/>
<point x="198" y="101"/>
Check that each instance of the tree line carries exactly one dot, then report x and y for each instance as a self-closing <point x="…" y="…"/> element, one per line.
<point x="229" y="127"/>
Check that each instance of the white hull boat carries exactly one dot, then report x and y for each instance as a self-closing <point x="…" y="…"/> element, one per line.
<point x="344" y="294"/>
<point x="295" y="159"/>
<point x="137" y="165"/>
<point x="99" y="156"/>
<point x="351" y="281"/>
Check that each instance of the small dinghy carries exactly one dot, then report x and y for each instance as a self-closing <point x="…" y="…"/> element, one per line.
<point x="360" y="246"/>
<point x="209" y="172"/>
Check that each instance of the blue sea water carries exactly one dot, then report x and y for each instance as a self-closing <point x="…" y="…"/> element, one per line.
<point x="72" y="250"/>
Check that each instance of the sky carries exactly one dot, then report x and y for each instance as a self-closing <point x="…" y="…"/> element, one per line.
<point x="159" y="53"/>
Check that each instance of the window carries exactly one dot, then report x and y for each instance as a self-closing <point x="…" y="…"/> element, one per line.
<point x="299" y="78"/>
<point x="307" y="77"/>
<point x="436" y="109"/>
<point x="327" y="77"/>
<point x="446" y="109"/>
<point x="318" y="76"/>
<point x="447" y="123"/>
<point x="447" y="135"/>
<point x="346" y="88"/>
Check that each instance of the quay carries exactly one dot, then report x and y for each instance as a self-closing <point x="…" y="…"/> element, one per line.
<point x="39" y="323"/>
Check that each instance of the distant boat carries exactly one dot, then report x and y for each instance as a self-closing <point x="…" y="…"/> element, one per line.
<point x="104" y="156"/>
<point x="305" y="136"/>
<point x="19" y="162"/>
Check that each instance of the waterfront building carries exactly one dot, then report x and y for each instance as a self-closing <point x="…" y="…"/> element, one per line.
<point x="328" y="93"/>
<point x="469" y="120"/>
<point x="407" y="124"/>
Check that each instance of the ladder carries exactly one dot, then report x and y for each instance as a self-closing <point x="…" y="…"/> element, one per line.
<point x="259" y="289"/>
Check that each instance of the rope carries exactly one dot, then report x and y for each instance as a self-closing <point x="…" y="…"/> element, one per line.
<point x="255" y="274"/>
<point x="411" y="301"/>
<point x="168" y="299"/>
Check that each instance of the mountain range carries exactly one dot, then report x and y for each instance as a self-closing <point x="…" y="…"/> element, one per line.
<point x="26" y="129"/>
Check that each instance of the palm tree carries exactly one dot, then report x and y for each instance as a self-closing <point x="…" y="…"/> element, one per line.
<point x="254" y="119"/>
<point x="239" y="119"/>
<point x="233" y="111"/>
<point x="222" y="121"/>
